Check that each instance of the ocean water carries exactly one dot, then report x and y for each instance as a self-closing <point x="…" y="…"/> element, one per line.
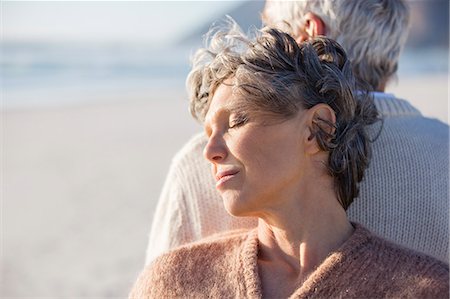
<point x="43" y="74"/>
<point x="58" y="74"/>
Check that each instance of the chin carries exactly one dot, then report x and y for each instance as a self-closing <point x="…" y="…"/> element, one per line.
<point x="236" y="204"/>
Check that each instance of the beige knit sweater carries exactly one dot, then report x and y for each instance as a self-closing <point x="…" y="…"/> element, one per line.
<point x="225" y="266"/>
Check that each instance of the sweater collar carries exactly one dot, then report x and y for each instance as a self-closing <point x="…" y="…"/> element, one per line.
<point x="388" y="105"/>
<point x="342" y="258"/>
<point x="249" y="262"/>
<point x="348" y="252"/>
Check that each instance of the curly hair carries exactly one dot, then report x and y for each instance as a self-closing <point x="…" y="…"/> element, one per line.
<point x="279" y="77"/>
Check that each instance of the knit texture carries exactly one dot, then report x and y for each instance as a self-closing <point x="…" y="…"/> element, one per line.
<point x="225" y="266"/>
<point x="404" y="196"/>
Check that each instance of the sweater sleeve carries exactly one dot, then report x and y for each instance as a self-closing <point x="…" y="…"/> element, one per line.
<point x="170" y="227"/>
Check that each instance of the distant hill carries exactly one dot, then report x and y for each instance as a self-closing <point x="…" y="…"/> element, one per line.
<point x="246" y="15"/>
<point x="429" y="23"/>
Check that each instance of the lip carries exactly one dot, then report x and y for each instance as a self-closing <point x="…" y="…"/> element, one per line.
<point x="224" y="176"/>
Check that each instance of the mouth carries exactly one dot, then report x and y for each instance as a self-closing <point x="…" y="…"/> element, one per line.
<point x="223" y="176"/>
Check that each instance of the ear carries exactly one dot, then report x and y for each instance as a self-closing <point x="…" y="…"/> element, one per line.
<point x="321" y="117"/>
<point x="313" y="26"/>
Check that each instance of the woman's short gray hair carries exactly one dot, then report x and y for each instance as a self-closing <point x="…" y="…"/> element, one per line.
<point x="276" y="76"/>
<point x="372" y="32"/>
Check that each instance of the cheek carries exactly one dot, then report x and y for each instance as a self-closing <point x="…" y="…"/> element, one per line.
<point x="249" y="149"/>
<point x="268" y="154"/>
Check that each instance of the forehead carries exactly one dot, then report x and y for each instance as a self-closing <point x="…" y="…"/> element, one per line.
<point x="223" y="96"/>
<point x="222" y="100"/>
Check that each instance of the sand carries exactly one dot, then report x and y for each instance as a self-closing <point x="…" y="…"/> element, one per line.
<point x="81" y="183"/>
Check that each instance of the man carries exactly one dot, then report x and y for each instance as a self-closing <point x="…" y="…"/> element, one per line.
<point x="404" y="196"/>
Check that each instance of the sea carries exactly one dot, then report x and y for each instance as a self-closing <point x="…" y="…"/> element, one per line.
<point x="52" y="74"/>
<point x="36" y="74"/>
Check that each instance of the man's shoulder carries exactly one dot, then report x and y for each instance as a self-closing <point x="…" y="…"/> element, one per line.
<point x="406" y="133"/>
<point x="409" y="145"/>
<point x="397" y="112"/>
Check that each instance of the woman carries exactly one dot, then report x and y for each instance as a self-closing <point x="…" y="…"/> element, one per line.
<point x="287" y="144"/>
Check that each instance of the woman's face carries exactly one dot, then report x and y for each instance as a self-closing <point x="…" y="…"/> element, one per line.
<point x="257" y="166"/>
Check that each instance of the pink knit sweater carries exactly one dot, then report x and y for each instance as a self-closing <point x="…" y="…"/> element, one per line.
<point x="225" y="266"/>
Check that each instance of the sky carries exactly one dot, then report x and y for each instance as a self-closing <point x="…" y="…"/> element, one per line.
<point x="155" y="22"/>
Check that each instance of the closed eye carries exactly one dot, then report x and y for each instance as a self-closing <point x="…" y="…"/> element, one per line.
<point x="238" y="121"/>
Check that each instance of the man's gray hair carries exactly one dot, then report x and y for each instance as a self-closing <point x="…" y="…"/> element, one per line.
<point x="372" y="32"/>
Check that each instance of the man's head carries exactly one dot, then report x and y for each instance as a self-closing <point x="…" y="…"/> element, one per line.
<point x="372" y="32"/>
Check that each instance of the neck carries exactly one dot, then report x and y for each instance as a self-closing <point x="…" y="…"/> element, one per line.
<point x="301" y="242"/>
<point x="382" y="86"/>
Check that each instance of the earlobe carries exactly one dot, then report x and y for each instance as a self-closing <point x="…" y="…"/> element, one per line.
<point x="311" y="145"/>
<point x="300" y="38"/>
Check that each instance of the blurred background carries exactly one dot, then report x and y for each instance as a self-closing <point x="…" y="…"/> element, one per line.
<point x="93" y="107"/>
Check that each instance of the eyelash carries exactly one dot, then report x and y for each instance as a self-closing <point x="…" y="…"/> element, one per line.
<point x="239" y="121"/>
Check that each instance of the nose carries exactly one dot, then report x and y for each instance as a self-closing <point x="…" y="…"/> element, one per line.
<point x="215" y="150"/>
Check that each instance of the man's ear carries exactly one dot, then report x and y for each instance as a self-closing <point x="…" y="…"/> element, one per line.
<point x="313" y="26"/>
<point x="321" y="121"/>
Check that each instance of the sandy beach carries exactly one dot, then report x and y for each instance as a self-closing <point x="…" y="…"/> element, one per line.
<point x="81" y="183"/>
